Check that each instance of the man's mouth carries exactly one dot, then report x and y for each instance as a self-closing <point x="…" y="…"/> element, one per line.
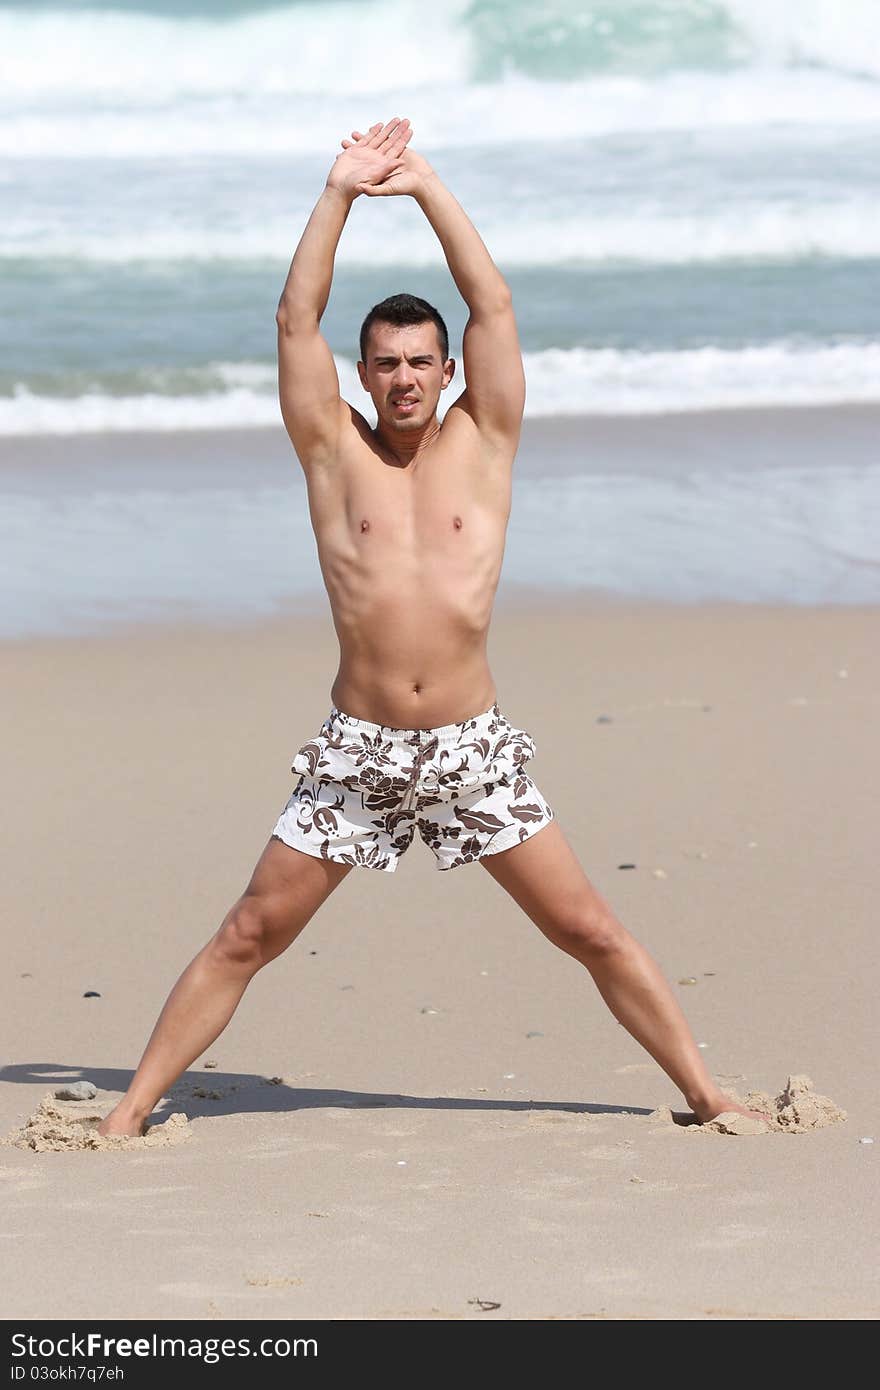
<point x="405" y="403"/>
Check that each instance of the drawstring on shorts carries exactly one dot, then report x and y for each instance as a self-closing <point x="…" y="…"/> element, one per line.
<point x="409" y="795"/>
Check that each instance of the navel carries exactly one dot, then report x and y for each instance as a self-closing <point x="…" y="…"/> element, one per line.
<point x="456" y="521"/>
<point x="365" y="525"/>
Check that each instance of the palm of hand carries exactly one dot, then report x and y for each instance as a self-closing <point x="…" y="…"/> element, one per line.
<point x="362" y="164"/>
<point x="406" y="178"/>
<point x="407" y="171"/>
<point x="371" y="158"/>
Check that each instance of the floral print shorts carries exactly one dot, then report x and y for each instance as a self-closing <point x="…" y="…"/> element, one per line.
<point x="364" y="788"/>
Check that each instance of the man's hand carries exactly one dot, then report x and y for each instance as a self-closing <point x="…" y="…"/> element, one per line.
<point x="370" y="158"/>
<point x="407" y="178"/>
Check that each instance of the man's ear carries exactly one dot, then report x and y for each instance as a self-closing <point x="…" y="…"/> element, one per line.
<point x="448" y="372"/>
<point x="362" y="373"/>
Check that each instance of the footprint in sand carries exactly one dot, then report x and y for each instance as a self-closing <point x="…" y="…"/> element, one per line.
<point x="797" y="1109"/>
<point x="58" y="1126"/>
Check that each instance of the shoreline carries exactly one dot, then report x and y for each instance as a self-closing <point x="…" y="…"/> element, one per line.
<point x="721" y="433"/>
<point x="214" y="528"/>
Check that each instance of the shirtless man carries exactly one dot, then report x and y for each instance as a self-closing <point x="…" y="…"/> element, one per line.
<point x="410" y="521"/>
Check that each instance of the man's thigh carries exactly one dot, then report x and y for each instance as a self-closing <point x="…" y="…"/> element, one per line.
<point x="286" y="889"/>
<point x="544" y="876"/>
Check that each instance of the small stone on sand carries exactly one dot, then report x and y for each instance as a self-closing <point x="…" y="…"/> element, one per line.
<point x="77" y="1090"/>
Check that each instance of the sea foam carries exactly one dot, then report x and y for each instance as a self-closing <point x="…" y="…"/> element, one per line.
<point x="569" y="382"/>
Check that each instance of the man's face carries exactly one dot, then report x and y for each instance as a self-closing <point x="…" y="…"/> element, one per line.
<point x="405" y="373"/>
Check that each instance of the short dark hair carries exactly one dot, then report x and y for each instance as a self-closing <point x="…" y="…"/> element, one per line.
<point x="402" y="309"/>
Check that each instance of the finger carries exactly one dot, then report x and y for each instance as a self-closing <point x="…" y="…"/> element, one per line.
<point x="402" y="137"/>
<point x="395" y="128"/>
<point x="376" y="135"/>
<point x="392" y="130"/>
<point x="358" y="136"/>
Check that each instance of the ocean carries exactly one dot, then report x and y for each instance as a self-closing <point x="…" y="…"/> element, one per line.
<point x="682" y="195"/>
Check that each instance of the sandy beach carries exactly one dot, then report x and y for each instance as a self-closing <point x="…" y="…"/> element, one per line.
<point x="423" y="1108"/>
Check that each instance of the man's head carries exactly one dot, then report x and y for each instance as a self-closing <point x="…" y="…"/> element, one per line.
<point x="404" y="360"/>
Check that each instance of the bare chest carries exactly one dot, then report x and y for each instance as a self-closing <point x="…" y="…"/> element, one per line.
<point x="450" y="508"/>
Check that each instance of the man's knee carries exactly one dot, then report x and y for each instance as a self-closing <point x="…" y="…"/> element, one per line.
<point x="587" y="932"/>
<point x="248" y="930"/>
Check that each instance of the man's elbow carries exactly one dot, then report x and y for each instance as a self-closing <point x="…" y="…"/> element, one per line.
<point x="292" y="315"/>
<point x="282" y="314"/>
<point x="497" y="300"/>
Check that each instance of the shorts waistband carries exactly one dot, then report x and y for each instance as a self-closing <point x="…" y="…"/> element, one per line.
<point x="443" y="733"/>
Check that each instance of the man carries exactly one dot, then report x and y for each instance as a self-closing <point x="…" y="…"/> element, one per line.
<point x="410" y="521"/>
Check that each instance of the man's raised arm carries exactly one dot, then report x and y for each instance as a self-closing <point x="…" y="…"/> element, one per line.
<point x="307" y="379"/>
<point x="496" y="388"/>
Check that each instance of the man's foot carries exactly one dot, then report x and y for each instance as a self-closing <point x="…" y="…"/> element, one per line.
<point x="721" y="1104"/>
<point x="122" y="1121"/>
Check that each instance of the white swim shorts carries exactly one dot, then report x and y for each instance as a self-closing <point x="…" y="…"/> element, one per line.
<point x="363" y="789"/>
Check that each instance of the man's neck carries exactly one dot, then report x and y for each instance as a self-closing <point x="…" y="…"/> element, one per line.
<point x="407" y="447"/>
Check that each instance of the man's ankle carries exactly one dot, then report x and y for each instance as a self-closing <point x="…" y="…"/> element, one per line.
<point x="131" y="1109"/>
<point x="704" y="1098"/>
